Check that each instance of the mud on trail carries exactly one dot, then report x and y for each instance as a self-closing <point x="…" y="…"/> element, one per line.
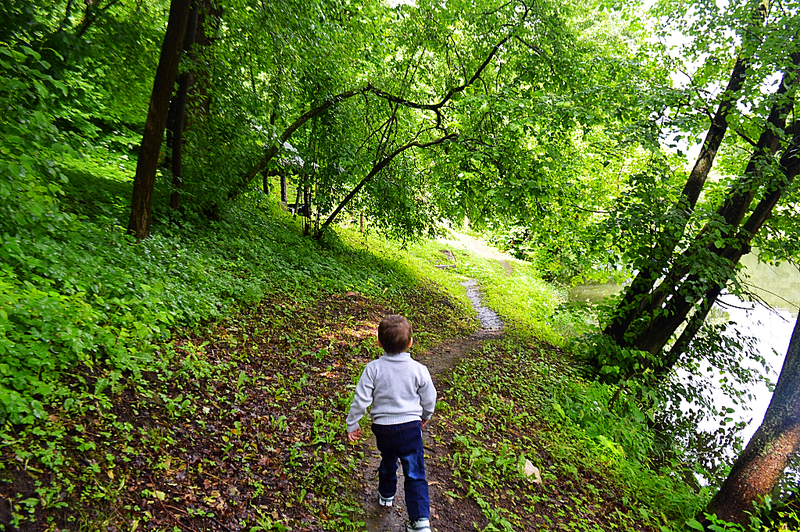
<point x="447" y="513"/>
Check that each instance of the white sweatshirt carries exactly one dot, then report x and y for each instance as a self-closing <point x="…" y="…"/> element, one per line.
<point x="398" y="388"/>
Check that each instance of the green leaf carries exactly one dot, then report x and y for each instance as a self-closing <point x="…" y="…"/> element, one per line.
<point x="693" y="523"/>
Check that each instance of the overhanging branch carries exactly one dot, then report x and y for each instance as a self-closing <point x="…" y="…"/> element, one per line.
<point x="376" y="169"/>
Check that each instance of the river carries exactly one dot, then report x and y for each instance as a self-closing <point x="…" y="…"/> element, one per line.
<point x="778" y="287"/>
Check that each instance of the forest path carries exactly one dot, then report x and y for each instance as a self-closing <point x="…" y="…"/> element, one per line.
<point x="447" y="514"/>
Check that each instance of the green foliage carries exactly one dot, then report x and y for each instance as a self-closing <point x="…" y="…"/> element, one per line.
<point x="767" y="516"/>
<point x="559" y="153"/>
<point x="519" y="401"/>
<point x="88" y="314"/>
<point x="615" y="364"/>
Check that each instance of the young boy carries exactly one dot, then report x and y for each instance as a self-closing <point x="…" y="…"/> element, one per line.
<point x="403" y="399"/>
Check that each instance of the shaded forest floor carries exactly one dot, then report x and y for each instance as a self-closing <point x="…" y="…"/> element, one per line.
<point x="245" y="432"/>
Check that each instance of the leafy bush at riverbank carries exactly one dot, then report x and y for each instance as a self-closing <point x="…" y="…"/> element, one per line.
<point x="521" y="401"/>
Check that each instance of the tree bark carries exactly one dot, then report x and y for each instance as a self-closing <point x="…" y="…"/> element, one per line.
<point x="636" y="296"/>
<point x="163" y="86"/>
<point x="758" y="469"/>
<point x="177" y="113"/>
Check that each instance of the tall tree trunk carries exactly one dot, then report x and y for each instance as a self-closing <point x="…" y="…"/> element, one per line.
<point x="163" y="86"/>
<point x="759" y="468"/>
<point x="683" y="289"/>
<point x="177" y="113"/>
<point x="209" y="18"/>
<point x="636" y="295"/>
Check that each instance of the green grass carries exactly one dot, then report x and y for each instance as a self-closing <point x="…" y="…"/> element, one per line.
<point x="90" y="316"/>
<point x="121" y="355"/>
<point x="521" y="401"/>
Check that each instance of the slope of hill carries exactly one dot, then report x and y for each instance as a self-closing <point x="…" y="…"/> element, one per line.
<point x="199" y="380"/>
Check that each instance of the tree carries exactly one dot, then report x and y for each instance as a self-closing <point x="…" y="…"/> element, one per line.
<point x="724" y="239"/>
<point x="695" y="254"/>
<point x="176" y="117"/>
<point x="163" y="87"/>
<point x="757" y="470"/>
<point x="437" y="75"/>
<point x="659" y="257"/>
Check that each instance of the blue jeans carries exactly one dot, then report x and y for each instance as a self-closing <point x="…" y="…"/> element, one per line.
<point x="403" y="441"/>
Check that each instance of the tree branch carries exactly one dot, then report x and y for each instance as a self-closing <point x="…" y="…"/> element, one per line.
<point x="305" y="117"/>
<point x="455" y="90"/>
<point x="376" y="169"/>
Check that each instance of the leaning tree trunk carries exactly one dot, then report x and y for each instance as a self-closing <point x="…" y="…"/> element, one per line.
<point x="738" y="200"/>
<point x="683" y="289"/>
<point x="686" y="294"/>
<point x="758" y="469"/>
<point x="163" y="86"/>
<point x="636" y="295"/>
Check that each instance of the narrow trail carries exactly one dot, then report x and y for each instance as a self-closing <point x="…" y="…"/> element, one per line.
<point x="447" y="514"/>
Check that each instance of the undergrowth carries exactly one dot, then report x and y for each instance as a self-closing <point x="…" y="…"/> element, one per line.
<point x="520" y="401"/>
<point x="90" y="320"/>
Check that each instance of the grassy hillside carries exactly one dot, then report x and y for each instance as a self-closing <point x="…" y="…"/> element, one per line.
<point x="199" y="380"/>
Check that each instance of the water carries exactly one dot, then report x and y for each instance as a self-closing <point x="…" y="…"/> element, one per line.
<point x="772" y="328"/>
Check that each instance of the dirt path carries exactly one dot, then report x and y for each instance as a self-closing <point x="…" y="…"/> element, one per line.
<point x="447" y="514"/>
<point x="506" y="266"/>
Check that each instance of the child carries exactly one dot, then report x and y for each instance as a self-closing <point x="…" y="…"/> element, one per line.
<point x="403" y="399"/>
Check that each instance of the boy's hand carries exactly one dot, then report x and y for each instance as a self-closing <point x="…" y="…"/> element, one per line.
<point x="355" y="435"/>
<point x="425" y="422"/>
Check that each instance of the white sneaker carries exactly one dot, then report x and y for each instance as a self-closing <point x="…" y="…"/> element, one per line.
<point x="420" y="525"/>
<point x="385" y="501"/>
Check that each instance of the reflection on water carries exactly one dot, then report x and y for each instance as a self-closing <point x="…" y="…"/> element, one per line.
<point x="593" y="293"/>
<point x="777" y="286"/>
<point x="772" y="328"/>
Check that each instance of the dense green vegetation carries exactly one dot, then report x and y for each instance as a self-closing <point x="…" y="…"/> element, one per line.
<point x="108" y="420"/>
<point x="178" y="350"/>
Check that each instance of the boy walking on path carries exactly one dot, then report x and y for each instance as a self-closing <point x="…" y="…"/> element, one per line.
<point x="403" y="398"/>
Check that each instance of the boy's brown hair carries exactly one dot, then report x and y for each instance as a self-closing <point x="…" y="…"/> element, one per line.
<point x="394" y="334"/>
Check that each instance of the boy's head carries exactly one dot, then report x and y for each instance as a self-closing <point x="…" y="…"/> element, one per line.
<point x="394" y="334"/>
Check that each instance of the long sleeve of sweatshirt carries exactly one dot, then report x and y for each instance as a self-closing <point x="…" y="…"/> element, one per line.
<point x="399" y="389"/>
